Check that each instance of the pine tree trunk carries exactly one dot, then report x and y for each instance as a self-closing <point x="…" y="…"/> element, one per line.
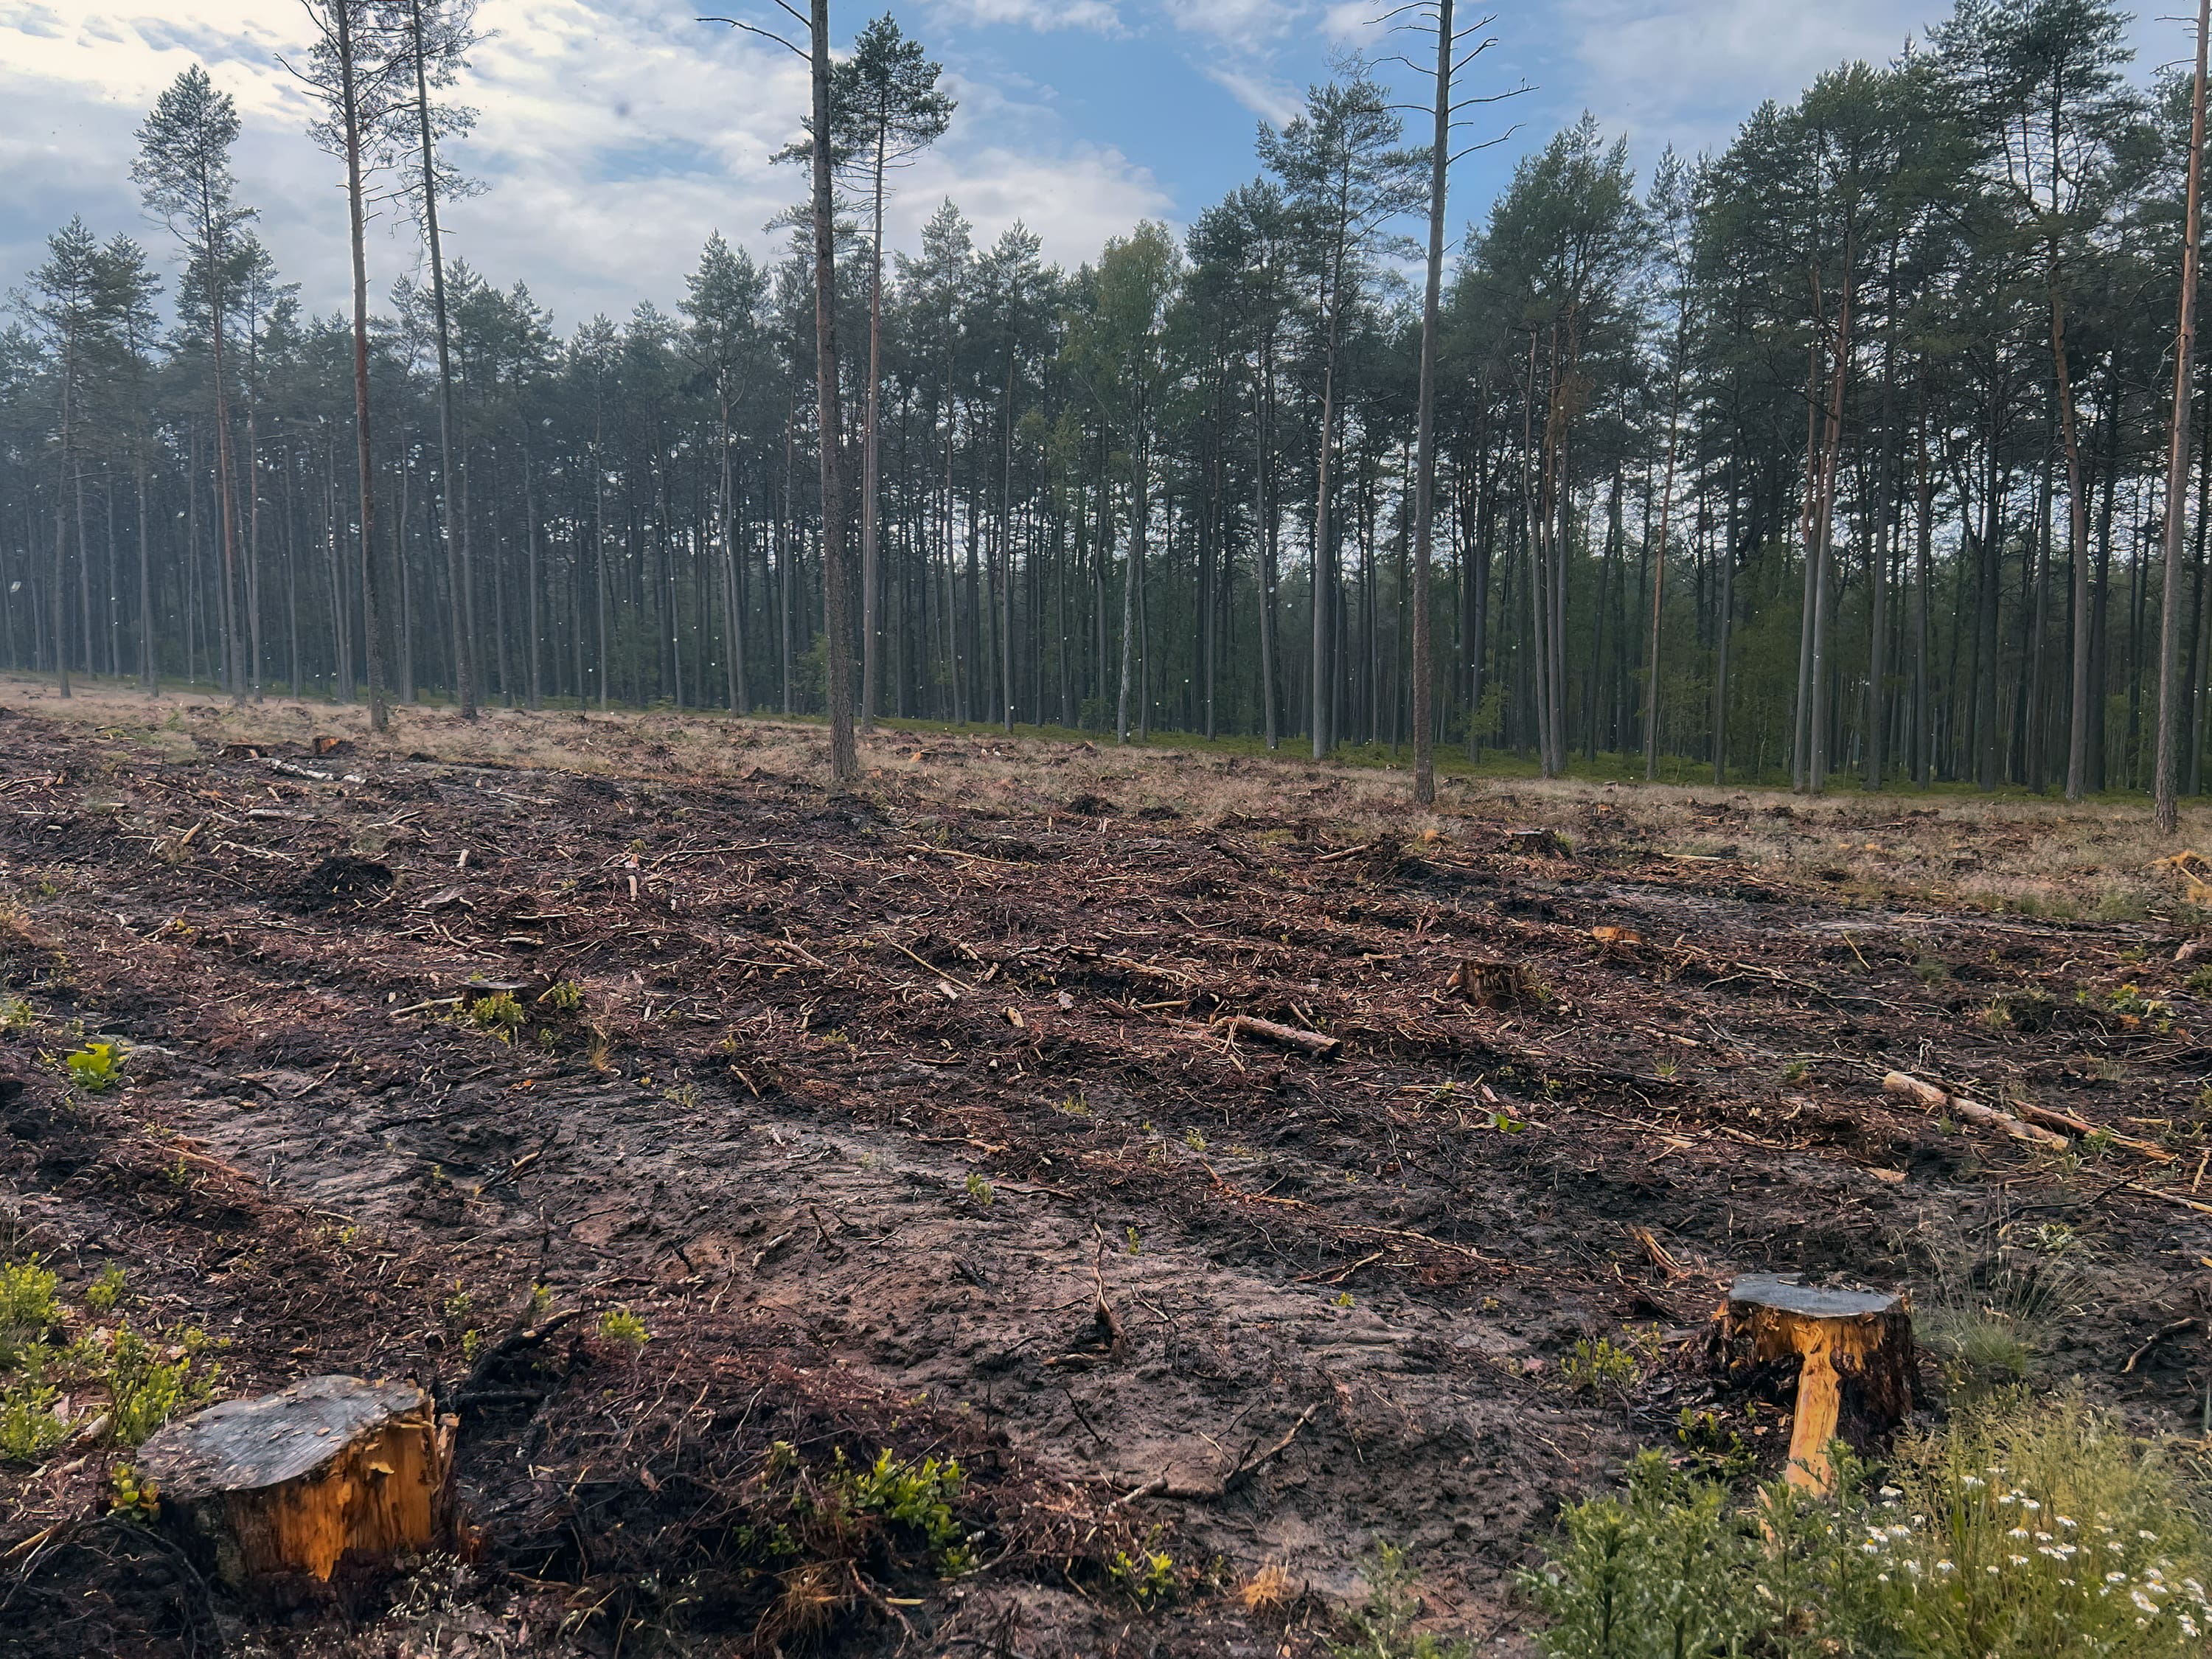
<point x="2176" y="470"/>
<point x="1425" y="772"/>
<point x="372" y="581"/>
<point x="844" y="760"/>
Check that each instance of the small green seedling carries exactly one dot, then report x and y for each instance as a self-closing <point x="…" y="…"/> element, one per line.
<point x="624" y="1329"/>
<point x="105" y="1292"/>
<point x="96" y="1067"/>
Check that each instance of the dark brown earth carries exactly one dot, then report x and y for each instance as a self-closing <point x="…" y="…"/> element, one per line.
<point x="870" y="1100"/>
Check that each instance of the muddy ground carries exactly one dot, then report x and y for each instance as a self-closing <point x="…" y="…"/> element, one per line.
<point x="870" y="1100"/>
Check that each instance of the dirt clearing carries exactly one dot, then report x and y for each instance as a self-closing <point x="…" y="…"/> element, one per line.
<point x="1230" y="1168"/>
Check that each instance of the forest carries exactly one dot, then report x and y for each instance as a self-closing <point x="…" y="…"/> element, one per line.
<point x="1843" y="451"/>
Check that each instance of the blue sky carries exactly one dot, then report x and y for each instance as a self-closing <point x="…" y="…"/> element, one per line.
<point x="614" y="135"/>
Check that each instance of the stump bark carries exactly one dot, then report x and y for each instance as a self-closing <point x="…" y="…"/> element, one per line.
<point x="1854" y="1354"/>
<point x="331" y="1469"/>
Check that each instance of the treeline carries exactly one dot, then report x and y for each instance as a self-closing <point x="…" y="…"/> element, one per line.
<point x="1843" y="449"/>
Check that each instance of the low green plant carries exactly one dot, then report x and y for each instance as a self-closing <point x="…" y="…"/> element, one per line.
<point x="1596" y="1366"/>
<point x="28" y="1308"/>
<point x="132" y="1498"/>
<point x="17" y="1016"/>
<point x="1147" y="1578"/>
<point x="981" y="1191"/>
<point x="498" y="1013"/>
<point x="147" y="1386"/>
<point x="1712" y="1448"/>
<point x="564" y="995"/>
<point x="105" y="1293"/>
<point x="2134" y="1008"/>
<point x="624" y="1329"/>
<point x="29" y="1427"/>
<point x="96" y="1067"/>
<point x="918" y="1495"/>
<point x="2029" y="1527"/>
<point x="1382" y="1627"/>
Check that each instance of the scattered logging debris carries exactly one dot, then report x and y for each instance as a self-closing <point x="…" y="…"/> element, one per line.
<point x="1936" y="1100"/>
<point x="2038" y="1126"/>
<point x="1316" y="1044"/>
<point x="1854" y="1350"/>
<point x="331" y="1468"/>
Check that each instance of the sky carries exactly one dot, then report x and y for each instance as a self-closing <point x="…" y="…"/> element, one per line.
<point x="613" y="135"/>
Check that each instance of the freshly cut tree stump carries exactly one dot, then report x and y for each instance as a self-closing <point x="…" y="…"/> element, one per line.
<point x="1856" y="1350"/>
<point x="330" y="1468"/>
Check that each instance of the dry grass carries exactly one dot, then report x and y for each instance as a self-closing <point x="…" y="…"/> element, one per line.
<point x="2036" y="856"/>
<point x="1271" y="1589"/>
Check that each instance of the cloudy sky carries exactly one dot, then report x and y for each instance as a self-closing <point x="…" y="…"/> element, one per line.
<point x="614" y="135"/>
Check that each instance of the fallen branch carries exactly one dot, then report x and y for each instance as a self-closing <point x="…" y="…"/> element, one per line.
<point x="2156" y="1337"/>
<point x="2050" y="1119"/>
<point x="1109" y="1322"/>
<point x="1316" y="1043"/>
<point x="2046" y="1116"/>
<point x="1936" y="1100"/>
<point x="2174" y="1199"/>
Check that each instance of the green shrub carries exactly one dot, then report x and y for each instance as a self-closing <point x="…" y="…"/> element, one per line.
<point x="1595" y="1367"/>
<point x="2030" y="1527"/>
<point x="498" y="1013"/>
<point x="105" y="1293"/>
<point x="920" y="1496"/>
<point x="28" y="1425"/>
<point x="28" y="1308"/>
<point x="148" y="1385"/>
<point x="1383" y="1627"/>
<point x="96" y="1067"/>
<point x="1148" y="1577"/>
<point x="623" y="1329"/>
<point x="130" y="1498"/>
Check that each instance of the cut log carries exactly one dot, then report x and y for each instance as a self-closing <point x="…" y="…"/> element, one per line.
<point x="1317" y="1044"/>
<point x="1936" y="1100"/>
<point x="1854" y="1350"/>
<point x="332" y="1468"/>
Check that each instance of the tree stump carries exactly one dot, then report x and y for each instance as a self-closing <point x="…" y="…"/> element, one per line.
<point x="1855" y="1373"/>
<point x="330" y="1468"/>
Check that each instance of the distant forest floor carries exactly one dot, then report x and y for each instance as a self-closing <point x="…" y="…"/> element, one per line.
<point x="912" y="1123"/>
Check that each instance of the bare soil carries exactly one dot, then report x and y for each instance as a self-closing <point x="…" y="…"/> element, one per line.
<point x="873" y="1100"/>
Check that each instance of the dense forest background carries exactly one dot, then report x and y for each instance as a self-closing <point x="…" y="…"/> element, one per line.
<point x="1854" y="435"/>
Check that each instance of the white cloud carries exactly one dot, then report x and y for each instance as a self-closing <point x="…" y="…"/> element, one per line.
<point x="1241" y="22"/>
<point x="613" y="135"/>
<point x="1262" y="94"/>
<point x="1099" y="16"/>
<point x="1692" y="69"/>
